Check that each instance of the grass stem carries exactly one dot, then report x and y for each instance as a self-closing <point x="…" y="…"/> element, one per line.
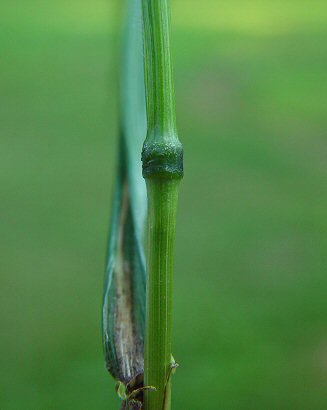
<point x="162" y="202"/>
<point x="162" y="158"/>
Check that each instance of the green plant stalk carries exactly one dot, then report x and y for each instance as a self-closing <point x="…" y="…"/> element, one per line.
<point x="162" y="158"/>
<point x="162" y="203"/>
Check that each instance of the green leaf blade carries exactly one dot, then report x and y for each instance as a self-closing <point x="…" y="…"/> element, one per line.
<point x="123" y="313"/>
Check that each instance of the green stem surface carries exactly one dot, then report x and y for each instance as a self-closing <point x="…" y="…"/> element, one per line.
<point x="162" y="158"/>
<point x="158" y="67"/>
<point x="162" y="202"/>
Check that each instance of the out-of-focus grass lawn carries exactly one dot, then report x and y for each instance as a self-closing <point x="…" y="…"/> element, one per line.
<point x="250" y="294"/>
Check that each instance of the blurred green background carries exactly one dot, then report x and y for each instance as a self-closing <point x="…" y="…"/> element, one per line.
<point x="250" y="297"/>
